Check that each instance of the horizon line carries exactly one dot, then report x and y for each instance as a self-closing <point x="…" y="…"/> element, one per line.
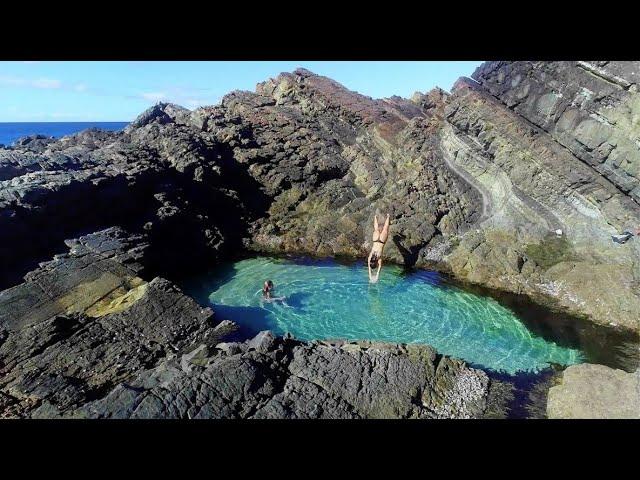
<point x="69" y="121"/>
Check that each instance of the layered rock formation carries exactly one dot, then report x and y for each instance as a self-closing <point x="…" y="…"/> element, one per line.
<point x="591" y="108"/>
<point x="537" y="161"/>
<point x="477" y="183"/>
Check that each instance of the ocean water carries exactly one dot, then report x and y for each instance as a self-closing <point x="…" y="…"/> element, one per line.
<point x="329" y="300"/>
<point x="10" y="132"/>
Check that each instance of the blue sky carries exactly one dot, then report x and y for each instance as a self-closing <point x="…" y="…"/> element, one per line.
<point x="119" y="91"/>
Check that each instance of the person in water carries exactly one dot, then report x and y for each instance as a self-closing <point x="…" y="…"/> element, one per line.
<point x="267" y="293"/>
<point x="374" y="261"/>
<point x="267" y="289"/>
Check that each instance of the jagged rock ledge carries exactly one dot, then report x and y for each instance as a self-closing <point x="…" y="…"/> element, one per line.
<point x="269" y="377"/>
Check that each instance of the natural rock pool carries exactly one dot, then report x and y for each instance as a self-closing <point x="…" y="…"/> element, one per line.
<point x="325" y="299"/>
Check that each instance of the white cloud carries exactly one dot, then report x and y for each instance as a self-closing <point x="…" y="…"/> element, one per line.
<point x="46" y="83"/>
<point x="11" y="80"/>
<point x="80" y="87"/>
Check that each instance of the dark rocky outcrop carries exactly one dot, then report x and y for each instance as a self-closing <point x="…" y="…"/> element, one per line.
<point x="85" y="321"/>
<point x="161" y="179"/>
<point x="269" y="377"/>
<point x="515" y="180"/>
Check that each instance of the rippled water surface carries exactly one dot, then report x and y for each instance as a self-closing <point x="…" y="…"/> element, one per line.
<point x="328" y="300"/>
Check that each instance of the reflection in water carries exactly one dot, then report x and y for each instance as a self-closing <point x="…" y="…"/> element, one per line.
<point x="376" y="307"/>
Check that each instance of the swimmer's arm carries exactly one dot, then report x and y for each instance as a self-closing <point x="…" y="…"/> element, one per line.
<point x="374" y="278"/>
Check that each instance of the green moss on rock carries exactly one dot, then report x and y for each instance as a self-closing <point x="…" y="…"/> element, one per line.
<point x="551" y="251"/>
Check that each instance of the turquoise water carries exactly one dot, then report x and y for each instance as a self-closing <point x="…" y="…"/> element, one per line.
<point x="328" y="300"/>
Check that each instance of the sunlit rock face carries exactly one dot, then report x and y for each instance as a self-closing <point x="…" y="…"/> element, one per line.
<point x="595" y="391"/>
<point x="330" y="158"/>
<point x="591" y="108"/>
<point x="268" y="377"/>
<point x="532" y="187"/>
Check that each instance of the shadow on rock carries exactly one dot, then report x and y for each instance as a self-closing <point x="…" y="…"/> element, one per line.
<point x="409" y="255"/>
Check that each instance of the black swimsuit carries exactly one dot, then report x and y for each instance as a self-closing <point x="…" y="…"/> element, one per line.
<point x="379" y="241"/>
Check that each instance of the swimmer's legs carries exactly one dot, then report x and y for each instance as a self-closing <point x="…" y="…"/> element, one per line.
<point x="385" y="230"/>
<point x="376" y="228"/>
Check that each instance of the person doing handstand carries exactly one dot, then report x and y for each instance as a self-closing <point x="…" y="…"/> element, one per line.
<point x="374" y="261"/>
